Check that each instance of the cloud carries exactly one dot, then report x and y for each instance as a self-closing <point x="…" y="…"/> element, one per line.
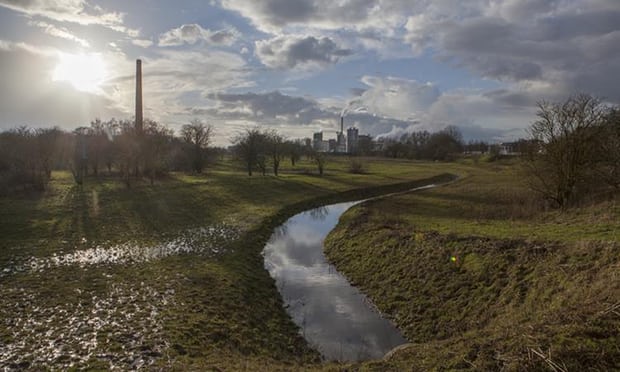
<point x="567" y="45"/>
<point x="143" y="43"/>
<point x="387" y="107"/>
<point x="60" y="32"/>
<point x="273" y="16"/>
<point x="291" y="115"/>
<point x="193" y="33"/>
<point x="286" y="52"/>
<point x="268" y="106"/>
<point x="74" y="11"/>
<point x="404" y="99"/>
<point x="172" y="80"/>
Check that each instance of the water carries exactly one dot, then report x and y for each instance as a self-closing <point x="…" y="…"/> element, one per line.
<point x="206" y="240"/>
<point x="333" y="316"/>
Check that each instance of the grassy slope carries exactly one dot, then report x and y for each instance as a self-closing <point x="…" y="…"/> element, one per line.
<point x="221" y="311"/>
<point x="524" y="279"/>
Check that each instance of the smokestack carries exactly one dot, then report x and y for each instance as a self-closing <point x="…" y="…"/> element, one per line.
<point x="342" y="124"/>
<point x="139" y="96"/>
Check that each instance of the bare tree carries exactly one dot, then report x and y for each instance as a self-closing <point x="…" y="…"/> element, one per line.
<point x="608" y="155"/>
<point x="567" y="133"/>
<point x="198" y="135"/>
<point x="319" y="159"/>
<point x="128" y="150"/>
<point x="275" y="148"/>
<point x="295" y="149"/>
<point x="156" y="143"/>
<point x="249" y="148"/>
<point x="97" y="142"/>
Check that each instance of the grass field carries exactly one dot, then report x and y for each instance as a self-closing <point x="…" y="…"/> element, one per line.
<point x="93" y="278"/>
<point x="480" y="276"/>
<point x="171" y="275"/>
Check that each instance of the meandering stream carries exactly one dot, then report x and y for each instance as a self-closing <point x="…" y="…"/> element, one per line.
<point x="334" y="316"/>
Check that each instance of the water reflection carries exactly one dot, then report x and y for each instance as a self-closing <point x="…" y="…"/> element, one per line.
<point x="333" y="316"/>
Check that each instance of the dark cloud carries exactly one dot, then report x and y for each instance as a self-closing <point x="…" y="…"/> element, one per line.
<point x="583" y="24"/>
<point x="273" y="15"/>
<point x="564" y="46"/>
<point x="293" y="51"/>
<point x="283" y="11"/>
<point x="510" y="98"/>
<point x="267" y="106"/>
<point x="281" y="110"/>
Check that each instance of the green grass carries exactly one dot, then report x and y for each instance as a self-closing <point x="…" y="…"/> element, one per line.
<point x="479" y="275"/>
<point x="211" y="311"/>
<point x="222" y="311"/>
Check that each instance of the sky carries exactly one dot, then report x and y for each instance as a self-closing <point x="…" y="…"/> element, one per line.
<point x="390" y="66"/>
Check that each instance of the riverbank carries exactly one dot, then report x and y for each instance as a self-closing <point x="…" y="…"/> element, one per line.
<point x="95" y="278"/>
<point x="478" y="276"/>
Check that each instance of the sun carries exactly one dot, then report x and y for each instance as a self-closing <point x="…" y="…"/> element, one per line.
<point x="86" y="72"/>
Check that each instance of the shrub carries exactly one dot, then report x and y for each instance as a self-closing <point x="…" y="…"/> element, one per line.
<point x="357" y="166"/>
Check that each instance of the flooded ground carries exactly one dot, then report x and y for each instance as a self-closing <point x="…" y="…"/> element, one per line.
<point x="204" y="240"/>
<point x="71" y="310"/>
<point x="333" y="316"/>
<point x="121" y="329"/>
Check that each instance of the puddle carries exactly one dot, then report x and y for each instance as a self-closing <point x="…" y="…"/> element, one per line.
<point x="208" y="240"/>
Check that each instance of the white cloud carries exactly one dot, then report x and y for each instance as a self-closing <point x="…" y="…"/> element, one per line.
<point x="60" y="32"/>
<point x="169" y="77"/>
<point x="74" y="11"/>
<point x="193" y="33"/>
<point x="397" y="98"/>
<point x="143" y="43"/>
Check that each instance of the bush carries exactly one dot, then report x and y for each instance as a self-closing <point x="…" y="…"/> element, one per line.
<point x="356" y="166"/>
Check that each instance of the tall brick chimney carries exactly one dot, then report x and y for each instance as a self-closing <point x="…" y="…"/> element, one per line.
<point x="342" y="124"/>
<point x="139" y="96"/>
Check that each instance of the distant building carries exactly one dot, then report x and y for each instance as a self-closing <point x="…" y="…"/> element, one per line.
<point x="317" y="139"/>
<point x="378" y="145"/>
<point x="341" y="147"/>
<point x="333" y="145"/>
<point x="508" y="148"/>
<point x="519" y="147"/>
<point x="365" y="145"/>
<point x="324" y="146"/>
<point x="352" y="138"/>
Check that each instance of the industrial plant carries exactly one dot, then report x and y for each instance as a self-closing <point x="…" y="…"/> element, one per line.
<point x="342" y="144"/>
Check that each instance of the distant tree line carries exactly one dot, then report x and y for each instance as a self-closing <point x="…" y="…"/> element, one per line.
<point x="261" y="150"/>
<point x="443" y="145"/>
<point x="28" y="156"/>
<point x="573" y="150"/>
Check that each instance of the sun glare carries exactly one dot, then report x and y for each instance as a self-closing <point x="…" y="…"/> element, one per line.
<point x="85" y="72"/>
